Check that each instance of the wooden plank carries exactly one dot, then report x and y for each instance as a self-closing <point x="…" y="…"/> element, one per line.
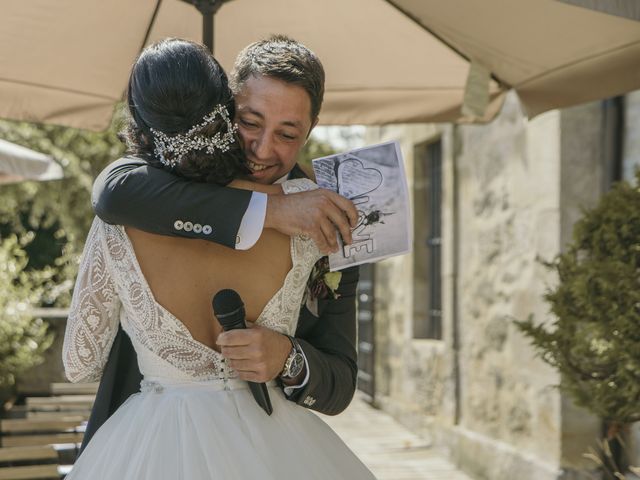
<point x="83" y="414"/>
<point x="18" y="408"/>
<point x="61" y="399"/>
<point x="30" y="472"/>
<point x="37" y="425"/>
<point x="61" y="313"/>
<point x="68" y="409"/>
<point x="62" y="402"/>
<point x="46" y="439"/>
<point x="74" y="388"/>
<point x="12" y="454"/>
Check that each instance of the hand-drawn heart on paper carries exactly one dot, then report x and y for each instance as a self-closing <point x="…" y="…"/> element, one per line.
<point x="355" y="180"/>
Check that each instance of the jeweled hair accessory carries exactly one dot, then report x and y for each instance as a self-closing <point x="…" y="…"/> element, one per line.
<point x="182" y="143"/>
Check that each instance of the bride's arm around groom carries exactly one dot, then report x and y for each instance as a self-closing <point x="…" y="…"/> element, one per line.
<point x="126" y="193"/>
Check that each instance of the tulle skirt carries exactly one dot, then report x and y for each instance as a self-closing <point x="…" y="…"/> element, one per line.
<point x="204" y="430"/>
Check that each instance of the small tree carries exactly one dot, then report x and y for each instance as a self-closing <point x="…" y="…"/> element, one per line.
<point x="24" y="339"/>
<point x="43" y="226"/>
<point x="594" y="340"/>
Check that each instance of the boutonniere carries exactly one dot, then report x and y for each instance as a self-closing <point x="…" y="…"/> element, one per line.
<point x="322" y="284"/>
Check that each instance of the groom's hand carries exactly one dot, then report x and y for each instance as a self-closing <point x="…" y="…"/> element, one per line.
<point x="318" y="214"/>
<point x="257" y="353"/>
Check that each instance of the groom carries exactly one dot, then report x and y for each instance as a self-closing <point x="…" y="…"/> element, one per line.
<point x="278" y="84"/>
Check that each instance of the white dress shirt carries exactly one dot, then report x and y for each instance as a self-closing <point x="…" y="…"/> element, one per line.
<point x="253" y="220"/>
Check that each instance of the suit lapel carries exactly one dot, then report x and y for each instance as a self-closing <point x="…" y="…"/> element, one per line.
<point x="296" y="172"/>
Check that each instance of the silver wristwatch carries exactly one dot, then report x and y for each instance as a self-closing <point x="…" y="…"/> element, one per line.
<point x="295" y="361"/>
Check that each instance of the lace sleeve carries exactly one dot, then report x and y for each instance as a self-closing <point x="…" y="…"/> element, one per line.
<point x="94" y="315"/>
<point x="298" y="185"/>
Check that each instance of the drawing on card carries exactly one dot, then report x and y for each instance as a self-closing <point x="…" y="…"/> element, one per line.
<point x="373" y="179"/>
<point x="356" y="182"/>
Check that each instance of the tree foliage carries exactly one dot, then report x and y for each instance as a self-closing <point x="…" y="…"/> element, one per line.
<point x="51" y="219"/>
<point x="594" y="340"/>
<point x="43" y="226"/>
<point x="23" y="339"/>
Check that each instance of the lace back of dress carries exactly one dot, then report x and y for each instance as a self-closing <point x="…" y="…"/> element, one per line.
<point x="163" y="344"/>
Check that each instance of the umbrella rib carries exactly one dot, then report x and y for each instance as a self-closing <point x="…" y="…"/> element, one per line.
<point x="151" y="24"/>
<point x="60" y="89"/>
<point x="442" y="40"/>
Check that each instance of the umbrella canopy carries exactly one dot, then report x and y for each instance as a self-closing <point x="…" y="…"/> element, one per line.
<point x="554" y="53"/>
<point x="19" y="163"/>
<point x="67" y="62"/>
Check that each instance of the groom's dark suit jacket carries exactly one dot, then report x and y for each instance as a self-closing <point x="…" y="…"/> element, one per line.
<point x="129" y="192"/>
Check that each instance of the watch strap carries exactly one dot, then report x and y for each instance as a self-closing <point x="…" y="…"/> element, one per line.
<point x="295" y="350"/>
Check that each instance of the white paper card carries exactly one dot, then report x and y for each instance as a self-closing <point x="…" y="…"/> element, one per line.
<point x="373" y="178"/>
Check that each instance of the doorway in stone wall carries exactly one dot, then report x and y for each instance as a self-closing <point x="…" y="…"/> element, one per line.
<point x="427" y="251"/>
<point x="366" y="332"/>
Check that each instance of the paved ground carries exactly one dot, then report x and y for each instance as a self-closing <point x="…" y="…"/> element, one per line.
<point x="389" y="449"/>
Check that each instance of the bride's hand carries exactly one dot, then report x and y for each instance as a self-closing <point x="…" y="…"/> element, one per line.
<point x="257" y="354"/>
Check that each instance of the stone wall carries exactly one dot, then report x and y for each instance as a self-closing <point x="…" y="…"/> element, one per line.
<point x="584" y="177"/>
<point x="413" y="376"/>
<point x="512" y="190"/>
<point x="509" y="197"/>
<point x="631" y="162"/>
<point x="631" y="144"/>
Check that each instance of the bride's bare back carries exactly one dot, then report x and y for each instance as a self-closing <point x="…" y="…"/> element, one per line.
<point x="184" y="274"/>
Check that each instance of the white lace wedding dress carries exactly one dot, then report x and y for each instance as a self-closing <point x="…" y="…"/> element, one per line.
<point x="193" y="419"/>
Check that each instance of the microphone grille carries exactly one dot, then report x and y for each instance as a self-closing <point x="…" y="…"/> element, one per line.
<point x="226" y="301"/>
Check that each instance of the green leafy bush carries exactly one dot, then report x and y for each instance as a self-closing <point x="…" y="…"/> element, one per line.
<point x="43" y="226"/>
<point x="52" y="218"/>
<point x="23" y="339"/>
<point x="594" y="340"/>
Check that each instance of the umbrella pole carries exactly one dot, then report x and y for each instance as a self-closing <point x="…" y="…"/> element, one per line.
<point x="208" y="9"/>
<point x="207" y="28"/>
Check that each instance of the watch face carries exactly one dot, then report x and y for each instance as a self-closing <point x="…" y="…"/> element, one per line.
<point x="297" y="363"/>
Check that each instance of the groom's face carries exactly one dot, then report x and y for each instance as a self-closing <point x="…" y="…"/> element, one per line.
<point x="274" y="120"/>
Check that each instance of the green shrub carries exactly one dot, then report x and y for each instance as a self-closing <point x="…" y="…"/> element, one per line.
<point x="23" y="339"/>
<point x="43" y="226"/>
<point x="594" y="340"/>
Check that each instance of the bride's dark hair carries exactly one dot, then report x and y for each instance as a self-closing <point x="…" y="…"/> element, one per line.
<point x="173" y="85"/>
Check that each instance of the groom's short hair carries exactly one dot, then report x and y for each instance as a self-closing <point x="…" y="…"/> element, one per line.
<point x="285" y="59"/>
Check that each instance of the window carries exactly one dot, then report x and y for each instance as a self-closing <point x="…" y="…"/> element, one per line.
<point x="427" y="304"/>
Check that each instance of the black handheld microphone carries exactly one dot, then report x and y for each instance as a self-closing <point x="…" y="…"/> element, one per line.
<point x="229" y="310"/>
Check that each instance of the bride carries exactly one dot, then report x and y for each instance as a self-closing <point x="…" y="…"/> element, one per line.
<point x="193" y="418"/>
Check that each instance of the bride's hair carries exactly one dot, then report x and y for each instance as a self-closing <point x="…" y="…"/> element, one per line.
<point x="174" y="87"/>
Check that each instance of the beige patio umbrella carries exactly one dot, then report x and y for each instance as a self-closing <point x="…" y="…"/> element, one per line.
<point x="554" y="53"/>
<point x="18" y="163"/>
<point x="67" y="62"/>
